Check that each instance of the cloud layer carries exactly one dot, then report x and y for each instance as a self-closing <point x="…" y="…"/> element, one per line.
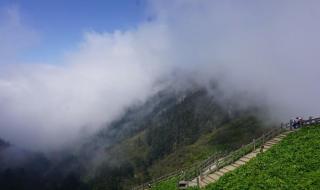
<point x="266" y="49"/>
<point x="52" y="105"/>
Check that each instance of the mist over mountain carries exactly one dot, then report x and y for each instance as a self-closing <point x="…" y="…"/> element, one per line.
<point x="266" y="51"/>
<point x="122" y="107"/>
<point x="134" y="148"/>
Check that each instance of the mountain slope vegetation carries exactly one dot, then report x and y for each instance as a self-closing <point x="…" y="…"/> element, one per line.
<point x="188" y="128"/>
<point x="173" y="129"/>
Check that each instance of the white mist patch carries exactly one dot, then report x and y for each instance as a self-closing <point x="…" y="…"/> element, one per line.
<point x="53" y="105"/>
<point x="267" y="50"/>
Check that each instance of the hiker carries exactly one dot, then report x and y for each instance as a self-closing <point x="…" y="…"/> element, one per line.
<point x="291" y="123"/>
<point x="295" y="123"/>
<point x="299" y="122"/>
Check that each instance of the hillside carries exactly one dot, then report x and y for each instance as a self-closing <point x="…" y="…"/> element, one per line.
<point x="172" y="130"/>
<point x="294" y="163"/>
<point x="178" y="130"/>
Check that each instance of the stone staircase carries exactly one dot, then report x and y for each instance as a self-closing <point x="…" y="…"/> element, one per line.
<point x="208" y="178"/>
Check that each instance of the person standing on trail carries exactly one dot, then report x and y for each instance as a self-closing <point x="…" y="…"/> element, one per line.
<point x="300" y="122"/>
<point x="291" y="123"/>
<point x="295" y="123"/>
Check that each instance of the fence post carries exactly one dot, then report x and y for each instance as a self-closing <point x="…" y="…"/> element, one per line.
<point x="199" y="178"/>
<point x="254" y="144"/>
<point x="198" y="182"/>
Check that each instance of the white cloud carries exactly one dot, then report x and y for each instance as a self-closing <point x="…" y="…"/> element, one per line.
<point x="53" y="104"/>
<point x="268" y="49"/>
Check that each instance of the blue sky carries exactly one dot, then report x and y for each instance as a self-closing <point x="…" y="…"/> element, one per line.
<point x="60" y="24"/>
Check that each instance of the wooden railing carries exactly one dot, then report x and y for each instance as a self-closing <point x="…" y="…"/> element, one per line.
<point x="235" y="155"/>
<point x="221" y="159"/>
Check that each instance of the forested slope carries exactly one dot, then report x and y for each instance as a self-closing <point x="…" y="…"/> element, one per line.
<point x="181" y="130"/>
<point x="173" y="129"/>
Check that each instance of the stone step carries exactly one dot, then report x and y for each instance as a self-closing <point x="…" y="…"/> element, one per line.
<point x="202" y="184"/>
<point x="219" y="173"/>
<point x="251" y="155"/>
<point x="275" y="142"/>
<point x="208" y="179"/>
<point x="203" y="180"/>
<point x="271" y="143"/>
<point x="211" y="178"/>
<point x="235" y="165"/>
<point x="247" y="157"/>
<point x="243" y="159"/>
<point x="215" y="176"/>
<point x="240" y="162"/>
<point x="230" y="167"/>
<point x="223" y="170"/>
<point x="268" y="144"/>
<point x="257" y="151"/>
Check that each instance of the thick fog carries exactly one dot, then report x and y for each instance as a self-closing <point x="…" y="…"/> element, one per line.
<point x="267" y="50"/>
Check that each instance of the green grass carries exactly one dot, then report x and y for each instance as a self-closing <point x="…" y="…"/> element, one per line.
<point x="292" y="164"/>
<point x="239" y="132"/>
<point x="184" y="157"/>
<point x="208" y="144"/>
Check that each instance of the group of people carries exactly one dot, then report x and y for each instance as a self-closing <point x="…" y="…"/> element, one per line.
<point x="296" y="122"/>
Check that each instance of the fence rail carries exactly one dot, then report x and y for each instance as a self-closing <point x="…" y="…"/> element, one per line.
<point x="221" y="159"/>
<point x="237" y="154"/>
